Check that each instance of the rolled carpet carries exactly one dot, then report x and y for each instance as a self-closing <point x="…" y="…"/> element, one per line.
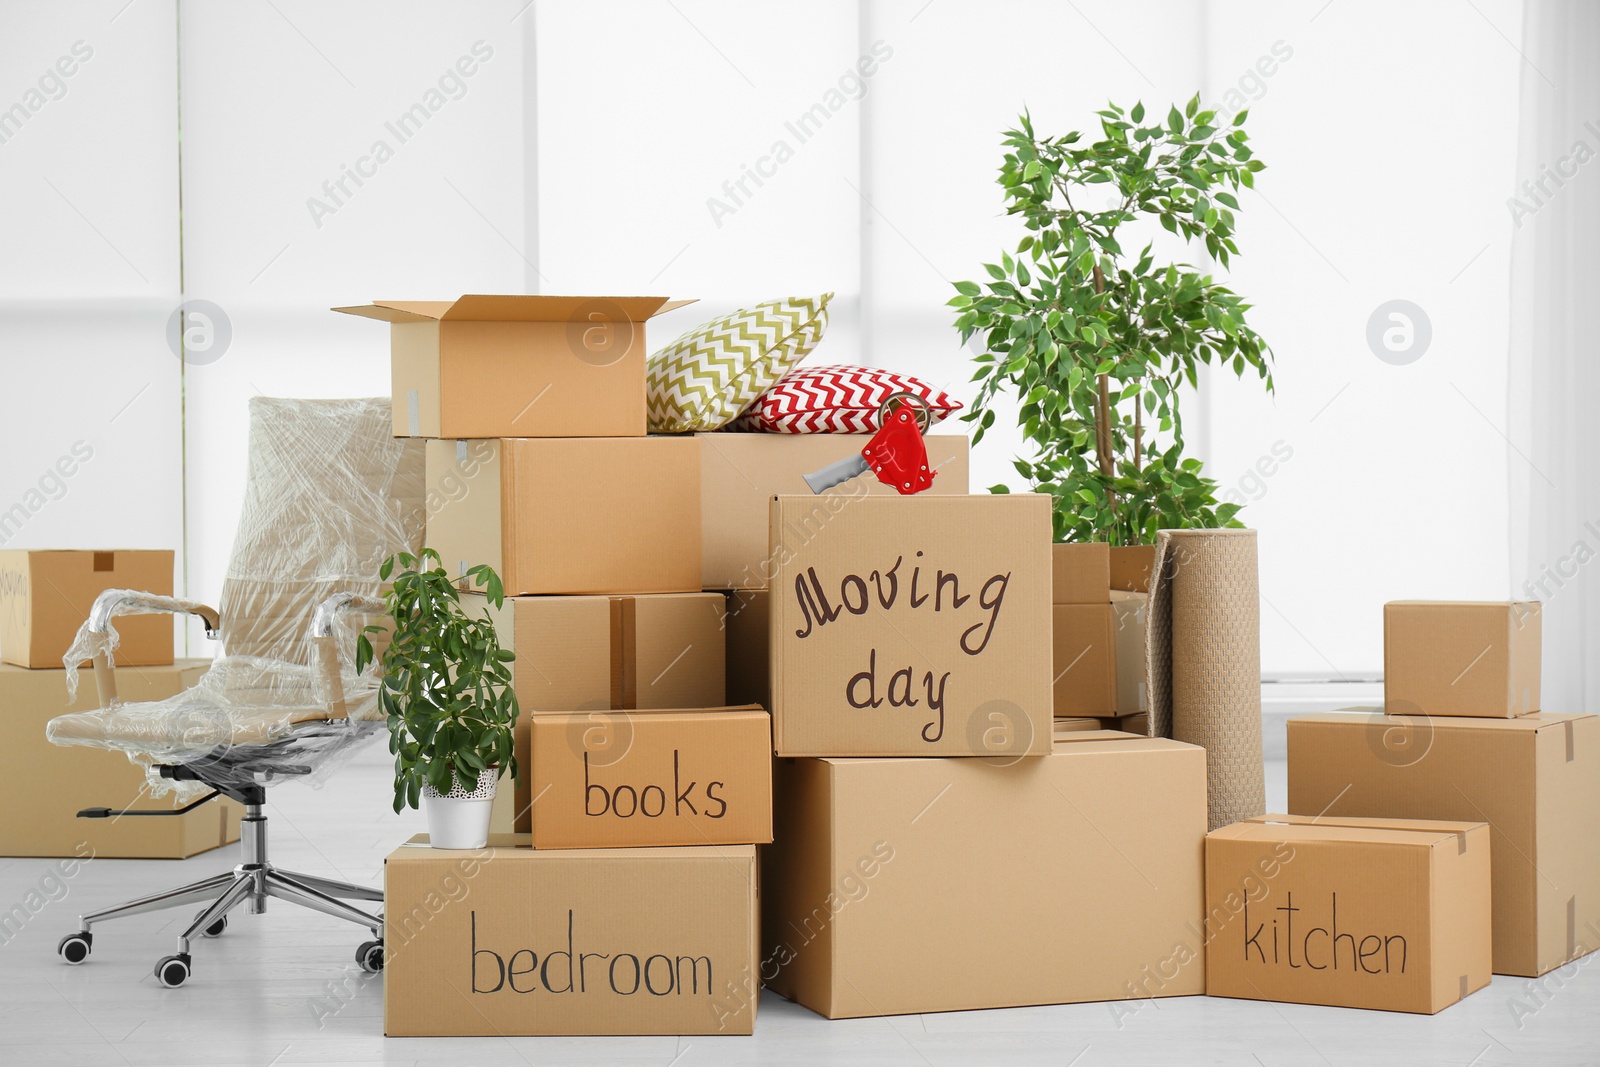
<point x="1204" y="671"/>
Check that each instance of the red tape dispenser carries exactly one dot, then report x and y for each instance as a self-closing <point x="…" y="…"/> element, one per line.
<point x="896" y="454"/>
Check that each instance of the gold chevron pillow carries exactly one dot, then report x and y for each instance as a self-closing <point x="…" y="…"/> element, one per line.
<point x="704" y="379"/>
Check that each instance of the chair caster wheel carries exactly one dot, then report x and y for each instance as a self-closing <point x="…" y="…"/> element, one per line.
<point x="216" y="928"/>
<point x="370" y="955"/>
<point x="173" y="971"/>
<point x="74" y="948"/>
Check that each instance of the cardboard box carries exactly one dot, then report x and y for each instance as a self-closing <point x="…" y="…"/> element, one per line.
<point x="911" y="626"/>
<point x="44" y="786"/>
<point x="1074" y="724"/>
<point x="574" y="515"/>
<point x="518" y="366"/>
<point x="746" y="623"/>
<point x="1084" y="659"/>
<point x="1131" y="567"/>
<point x="896" y="886"/>
<point x="594" y="653"/>
<point x="1129" y="724"/>
<point x="1535" y="780"/>
<point x="1131" y="613"/>
<point x="1356" y="913"/>
<point x="45" y="595"/>
<point x="1080" y="573"/>
<point x="1450" y="658"/>
<point x="513" y="941"/>
<point x="646" y="778"/>
<point x="740" y="473"/>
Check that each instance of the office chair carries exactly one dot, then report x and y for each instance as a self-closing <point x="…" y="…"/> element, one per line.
<point x="330" y="494"/>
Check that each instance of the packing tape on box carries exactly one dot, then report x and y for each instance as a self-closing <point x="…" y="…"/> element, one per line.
<point x="1203" y="632"/>
<point x="624" y="654"/>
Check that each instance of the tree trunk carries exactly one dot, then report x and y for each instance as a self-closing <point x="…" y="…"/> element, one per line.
<point x="1103" y="441"/>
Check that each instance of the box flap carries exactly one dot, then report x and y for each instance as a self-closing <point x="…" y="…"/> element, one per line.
<point x="1435" y="826"/>
<point x="730" y="710"/>
<point x="399" y="310"/>
<point x="1539" y="720"/>
<point x="514" y="308"/>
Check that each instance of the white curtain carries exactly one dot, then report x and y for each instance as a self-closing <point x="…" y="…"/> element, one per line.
<point x="1555" y="379"/>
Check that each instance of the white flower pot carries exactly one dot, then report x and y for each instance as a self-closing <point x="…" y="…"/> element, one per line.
<point x="459" y="819"/>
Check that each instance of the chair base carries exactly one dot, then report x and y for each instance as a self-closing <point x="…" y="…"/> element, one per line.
<point x="254" y="880"/>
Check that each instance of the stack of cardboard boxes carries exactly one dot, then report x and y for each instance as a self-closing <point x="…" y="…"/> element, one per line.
<point x="44" y="597"/>
<point x="1462" y="735"/>
<point x="642" y="795"/>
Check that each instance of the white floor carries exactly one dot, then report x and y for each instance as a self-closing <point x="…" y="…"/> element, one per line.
<point x="283" y="988"/>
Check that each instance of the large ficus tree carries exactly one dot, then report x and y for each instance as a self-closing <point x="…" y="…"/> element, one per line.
<point x="1095" y="342"/>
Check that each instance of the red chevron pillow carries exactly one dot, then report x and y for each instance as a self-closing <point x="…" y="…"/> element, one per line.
<point x="834" y="399"/>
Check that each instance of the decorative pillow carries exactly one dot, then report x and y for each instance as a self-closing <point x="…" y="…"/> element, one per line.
<point x="705" y="378"/>
<point x="836" y="399"/>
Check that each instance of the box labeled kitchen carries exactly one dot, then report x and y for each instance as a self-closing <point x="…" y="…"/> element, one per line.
<point x="571" y="515"/>
<point x="599" y="653"/>
<point x="518" y="366"/>
<point x="911" y="626"/>
<point x="906" y="885"/>
<point x="1359" y="913"/>
<point x="46" y="594"/>
<point x="43" y="786"/>
<point x="513" y="941"/>
<point x="740" y="473"/>
<point x="1534" y="779"/>
<point x="1461" y="658"/>
<point x="641" y="778"/>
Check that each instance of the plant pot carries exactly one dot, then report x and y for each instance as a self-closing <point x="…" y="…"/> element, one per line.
<point x="459" y="819"/>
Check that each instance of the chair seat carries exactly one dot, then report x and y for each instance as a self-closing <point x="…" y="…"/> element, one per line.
<point x="192" y="726"/>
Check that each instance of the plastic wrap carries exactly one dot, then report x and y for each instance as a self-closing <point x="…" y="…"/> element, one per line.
<point x="329" y="495"/>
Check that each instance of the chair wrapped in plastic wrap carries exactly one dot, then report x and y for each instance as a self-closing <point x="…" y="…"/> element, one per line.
<point x="329" y="494"/>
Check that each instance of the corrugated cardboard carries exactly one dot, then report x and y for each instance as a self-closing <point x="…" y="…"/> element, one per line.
<point x="1461" y="658"/>
<point x="911" y="626"/>
<point x="45" y="595"/>
<point x="1073" y="724"/>
<point x="1084" y="659"/>
<point x="643" y="778"/>
<point x="1535" y="780"/>
<point x="44" y="786"/>
<point x="749" y="636"/>
<point x="593" y="653"/>
<point x="1357" y="913"/>
<point x="915" y="885"/>
<point x="740" y="473"/>
<point x="1130" y="613"/>
<point x="513" y="941"/>
<point x="1080" y="573"/>
<point x="1131" y="567"/>
<point x="575" y="515"/>
<point x="518" y="366"/>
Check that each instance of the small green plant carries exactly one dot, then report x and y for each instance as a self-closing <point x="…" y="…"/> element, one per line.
<point x="446" y="680"/>
<point x="1094" y="341"/>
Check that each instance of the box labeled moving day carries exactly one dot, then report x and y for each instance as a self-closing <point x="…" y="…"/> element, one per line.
<point x="898" y="886"/>
<point x="643" y="778"/>
<point x="911" y="626"/>
<point x="569" y="515"/>
<point x="740" y="473"/>
<point x="1461" y="658"/>
<point x="1130" y="617"/>
<point x="518" y="366"/>
<point x="43" y="786"/>
<point x="46" y="594"/>
<point x="1357" y="913"/>
<point x="1083" y="642"/>
<point x="596" y="653"/>
<point x="514" y="941"/>
<point x="1535" y="780"/>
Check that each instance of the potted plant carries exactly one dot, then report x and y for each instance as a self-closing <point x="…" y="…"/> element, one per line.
<point x="448" y="696"/>
<point x="1097" y="343"/>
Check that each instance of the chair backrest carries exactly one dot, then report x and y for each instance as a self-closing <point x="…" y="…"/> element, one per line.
<point x="329" y="494"/>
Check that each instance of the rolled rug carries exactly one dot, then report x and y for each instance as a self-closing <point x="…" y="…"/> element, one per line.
<point x="1204" y="672"/>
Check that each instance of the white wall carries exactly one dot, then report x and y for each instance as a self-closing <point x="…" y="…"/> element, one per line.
<point x="600" y="149"/>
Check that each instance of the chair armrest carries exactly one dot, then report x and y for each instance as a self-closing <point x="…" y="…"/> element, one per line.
<point x="322" y="621"/>
<point x="117" y="602"/>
